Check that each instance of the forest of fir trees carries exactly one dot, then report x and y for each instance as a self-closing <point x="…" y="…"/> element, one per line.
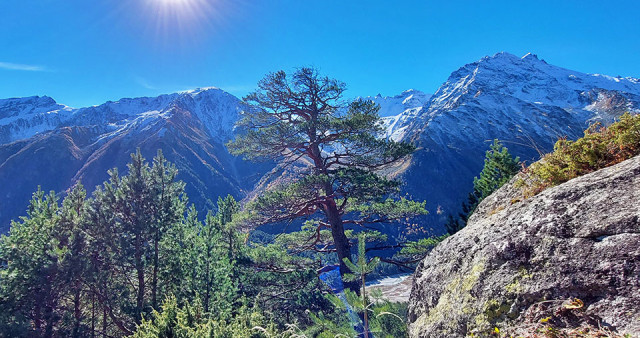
<point x="135" y="259"/>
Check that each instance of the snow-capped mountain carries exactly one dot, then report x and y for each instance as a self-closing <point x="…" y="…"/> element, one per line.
<point x="394" y="105"/>
<point x="58" y="146"/>
<point x="21" y="118"/>
<point x="523" y="101"/>
<point x="506" y="82"/>
<point x="397" y="110"/>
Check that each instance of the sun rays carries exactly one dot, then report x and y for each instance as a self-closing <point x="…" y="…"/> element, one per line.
<point x="185" y="20"/>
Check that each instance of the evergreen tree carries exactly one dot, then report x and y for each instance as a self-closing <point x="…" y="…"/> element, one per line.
<point x="499" y="168"/>
<point x="360" y="270"/>
<point x="30" y="274"/>
<point x="453" y="224"/>
<point x="218" y="250"/>
<point x="301" y="119"/>
<point x="107" y="276"/>
<point x="167" y="207"/>
<point x="138" y="242"/>
<point x="96" y="266"/>
<point x="74" y="263"/>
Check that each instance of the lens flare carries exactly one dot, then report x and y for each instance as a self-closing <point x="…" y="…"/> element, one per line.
<point x="183" y="20"/>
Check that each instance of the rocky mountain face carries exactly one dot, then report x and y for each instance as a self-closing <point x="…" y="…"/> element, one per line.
<point x="55" y="146"/>
<point x="525" y="102"/>
<point x="565" y="258"/>
<point x="22" y="118"/>
<point x="399" y="110"/>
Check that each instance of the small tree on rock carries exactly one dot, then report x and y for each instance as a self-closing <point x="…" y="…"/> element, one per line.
<point x="499" y="168"/>
<point x="361" y="268"/>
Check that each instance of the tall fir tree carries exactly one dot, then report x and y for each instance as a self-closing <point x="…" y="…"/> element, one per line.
<point x="74" y="263"/>
<point x="30" y="277"/>
<point x="499" y="168"/>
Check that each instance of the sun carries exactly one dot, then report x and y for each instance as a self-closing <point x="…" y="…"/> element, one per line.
<point x="179" y="6"/>
<point x="183" y="18"/>
<point x="174" y="2"/>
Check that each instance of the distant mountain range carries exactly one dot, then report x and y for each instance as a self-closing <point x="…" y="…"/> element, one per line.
<point x="525" y="102"/>
<point x="55" y="146"/>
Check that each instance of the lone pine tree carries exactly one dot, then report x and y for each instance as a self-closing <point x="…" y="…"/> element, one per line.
<point x="301" y="118"/>
<point x="499" y="167"/>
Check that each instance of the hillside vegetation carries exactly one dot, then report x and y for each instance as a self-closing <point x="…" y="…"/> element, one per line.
<point x="600" y="147"/>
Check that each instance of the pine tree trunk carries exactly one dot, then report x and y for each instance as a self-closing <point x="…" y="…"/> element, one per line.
<point x="50" y="305"/>
<point x="154" y="282"/>
<point x="364" y="302"/>
<point x="93" y="315"/>
<point x="37" y="319"/>
<point x="77" y="314"/>
<point x="340" y="241"/>
<point x="104" y="321"/>
<point x="140" y="271"/>
<point x="208" y="281"/>
<point x="48" y="329"/>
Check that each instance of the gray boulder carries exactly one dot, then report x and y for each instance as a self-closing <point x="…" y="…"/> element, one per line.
<point x="567" y="259"/>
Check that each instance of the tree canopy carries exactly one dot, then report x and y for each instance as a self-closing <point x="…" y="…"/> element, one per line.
<point x="133" y="259"/>
<point x="302" y="119"/>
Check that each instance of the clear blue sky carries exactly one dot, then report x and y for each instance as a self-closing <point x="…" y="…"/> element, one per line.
<point x="85" y="52"/>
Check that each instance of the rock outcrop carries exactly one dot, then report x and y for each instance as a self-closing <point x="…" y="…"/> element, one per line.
<point x="567" y="259"/>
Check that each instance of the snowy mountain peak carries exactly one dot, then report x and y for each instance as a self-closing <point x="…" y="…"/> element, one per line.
<point x="26" y="116"/>
<point x="394" y="105"/>
<point x="22" y="118"/>
<point x="27" y="105"/>
<point x="199" y="90"/>
<point x="507" y="59"/>
<point x="397" y="110"/>
<point x="490" y="80"/>
<point x="34" y="100"/>
<point x="217" y="109"/>
<point x="501" y="55"/>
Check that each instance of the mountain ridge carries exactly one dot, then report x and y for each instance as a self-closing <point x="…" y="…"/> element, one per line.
<point x="22" y="118"/>
<point x="189" y="127"/>
<point x="523" y="101"/>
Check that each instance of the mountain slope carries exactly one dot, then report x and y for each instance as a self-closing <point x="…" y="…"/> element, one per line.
<point x="190" y="128"/>
<point x="22" y="118"/>
<point x="397" y="111"/>
<point x="525" y="102"/>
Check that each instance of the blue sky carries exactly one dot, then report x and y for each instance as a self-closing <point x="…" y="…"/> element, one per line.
<point x="83" y="52"/>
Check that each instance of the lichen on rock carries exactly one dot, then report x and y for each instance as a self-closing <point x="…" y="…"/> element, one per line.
<point x="519" y="267"/>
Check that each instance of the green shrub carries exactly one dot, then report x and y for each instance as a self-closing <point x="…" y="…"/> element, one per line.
<point x="599" y="148"/>
<point x="190" y="320"/>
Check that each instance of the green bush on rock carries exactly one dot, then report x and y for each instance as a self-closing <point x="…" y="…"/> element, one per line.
<point x="600" y="147"/>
